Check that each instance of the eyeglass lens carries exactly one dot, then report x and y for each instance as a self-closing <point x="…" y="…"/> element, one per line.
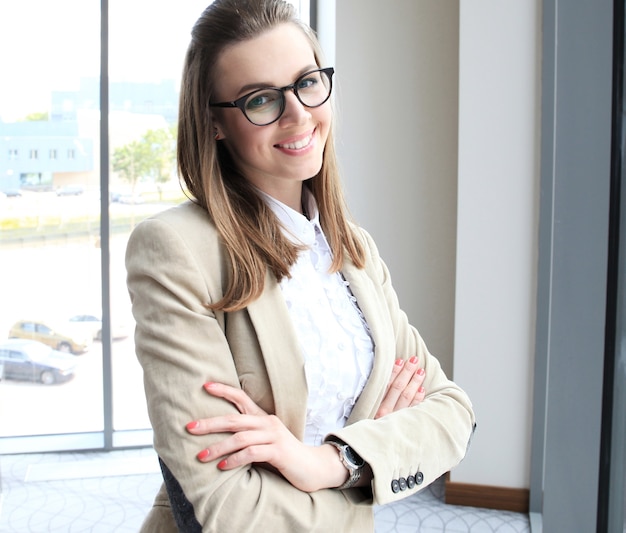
<point x="266" y="105"/>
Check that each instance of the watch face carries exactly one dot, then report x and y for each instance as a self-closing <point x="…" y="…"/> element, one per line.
<point x="354" y="457"/>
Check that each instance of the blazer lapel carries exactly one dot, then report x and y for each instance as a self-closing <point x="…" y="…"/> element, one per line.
<point x="282" y="355"/>
<point x="377" y="318"/>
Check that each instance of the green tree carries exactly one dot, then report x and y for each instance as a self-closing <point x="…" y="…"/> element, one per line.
<point x="152" y="156"/>
<point x="36" y="117"/>
<point x="129" y="161"/>
<point x="160" y="155"/>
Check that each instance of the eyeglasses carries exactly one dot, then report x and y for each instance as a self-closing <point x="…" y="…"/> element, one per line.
<point x="265" y="106"/>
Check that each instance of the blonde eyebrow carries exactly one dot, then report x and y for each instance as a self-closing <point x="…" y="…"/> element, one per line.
<point x="265" y="85"/>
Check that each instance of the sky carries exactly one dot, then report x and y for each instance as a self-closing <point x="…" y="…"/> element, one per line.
<point x="49" y="45"/>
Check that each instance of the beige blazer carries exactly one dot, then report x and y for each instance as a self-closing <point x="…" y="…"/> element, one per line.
<point x="175" y="265"/>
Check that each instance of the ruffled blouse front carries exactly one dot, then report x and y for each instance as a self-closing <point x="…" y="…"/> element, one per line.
<point x="334" y="337"/>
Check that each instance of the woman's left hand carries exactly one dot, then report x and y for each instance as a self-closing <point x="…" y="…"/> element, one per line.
<point x="256" y="437"/>
<point x="405" y="388"/>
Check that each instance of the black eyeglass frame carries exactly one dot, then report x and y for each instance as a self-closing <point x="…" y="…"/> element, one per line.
<point x="241" y="102"/>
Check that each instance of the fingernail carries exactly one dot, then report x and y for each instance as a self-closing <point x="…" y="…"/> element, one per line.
<point x="204" y="454"/>
<point x="193" y="425"/>
<point x="208" y="385"/>
<point x="421" y="371"/>
<point x="413" y="359"/>
<point x="222" y="464"/>
<point x="399" y="362"/>
<point x="421" y="390"/>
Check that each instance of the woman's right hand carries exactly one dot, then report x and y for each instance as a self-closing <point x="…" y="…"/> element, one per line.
<point x="253" y="436"/>
<point x="405" y="387"/>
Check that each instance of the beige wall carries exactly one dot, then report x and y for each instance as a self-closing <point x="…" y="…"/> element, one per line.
<point x="438" y="108"/>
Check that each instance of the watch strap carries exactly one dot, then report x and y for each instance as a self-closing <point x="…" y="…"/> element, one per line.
<point x="353" y="470"/>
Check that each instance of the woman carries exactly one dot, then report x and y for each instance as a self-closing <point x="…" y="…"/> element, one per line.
<point x="261" y="290"/>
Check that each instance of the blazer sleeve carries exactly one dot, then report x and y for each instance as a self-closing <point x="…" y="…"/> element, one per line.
<point x="412" y="447"/>
<point x="181" y="345"/>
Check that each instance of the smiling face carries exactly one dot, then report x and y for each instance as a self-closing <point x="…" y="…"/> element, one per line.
<point x="278" y="157"/>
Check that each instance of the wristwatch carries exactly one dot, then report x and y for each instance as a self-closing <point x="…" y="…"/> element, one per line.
<point x="351" y="460"/>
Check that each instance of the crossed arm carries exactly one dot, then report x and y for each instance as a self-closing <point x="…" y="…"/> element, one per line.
<point x="256" y="437"/>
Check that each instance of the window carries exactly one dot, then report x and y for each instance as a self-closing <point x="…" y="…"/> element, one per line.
<point x="44" y="330"/>
<point x="53" y="250"/>
<point x="16" y="356"/>
<point x="51" y="264"/>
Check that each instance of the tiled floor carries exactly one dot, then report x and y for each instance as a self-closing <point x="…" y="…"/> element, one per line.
<point x="111" y="492"/>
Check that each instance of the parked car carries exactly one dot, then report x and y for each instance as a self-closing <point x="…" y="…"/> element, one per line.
<point x="63" y="337"/>
<point x="125" y="197"/>
<point x="70" y="190"/>
<point x="24" y="359"/>
<point x="12" y="193"/>
<point x="92" y="325"/>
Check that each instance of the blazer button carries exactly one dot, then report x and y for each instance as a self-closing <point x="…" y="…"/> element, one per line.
<point x="419" y="478"/>
<point x="402" y="483"/>
<point x="410" y="481"/>
<point x="395" y="486"/>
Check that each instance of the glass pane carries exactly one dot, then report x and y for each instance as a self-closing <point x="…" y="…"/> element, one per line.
<point x="49" y="216"/>
<point x="144" y="79"/>
<point x="617" y="487"/>
<point x="615" y="492"/>
<point x="50" y="198"/>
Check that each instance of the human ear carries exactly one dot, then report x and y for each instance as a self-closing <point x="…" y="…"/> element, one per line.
<point x="217" y="130"/>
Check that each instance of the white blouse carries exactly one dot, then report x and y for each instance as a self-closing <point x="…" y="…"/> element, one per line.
<point x="334" y="337"/>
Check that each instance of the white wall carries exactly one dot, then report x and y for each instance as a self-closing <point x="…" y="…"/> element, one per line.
<point x="397" y="79"/>
<point x="438" y="104"/>
<point x="497" y="233"/>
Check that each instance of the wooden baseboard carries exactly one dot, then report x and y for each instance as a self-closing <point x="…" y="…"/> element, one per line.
<point x="501" y="498"/>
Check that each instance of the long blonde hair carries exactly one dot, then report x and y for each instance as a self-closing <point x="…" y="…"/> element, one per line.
<point x="250" y="231"/>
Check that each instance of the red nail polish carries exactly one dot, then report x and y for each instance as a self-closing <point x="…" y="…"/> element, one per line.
<point x="222" y="464"/>
<point x="399" y="362"/>
<point x="413" y="359"/>
<point x="204" y="454"/>
<point x="421" y="390"/>
<point x="192" y="425"/>
<point x="421" y="371"/>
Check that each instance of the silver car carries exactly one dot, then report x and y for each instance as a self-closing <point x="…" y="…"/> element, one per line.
<point x="28" y="360"/>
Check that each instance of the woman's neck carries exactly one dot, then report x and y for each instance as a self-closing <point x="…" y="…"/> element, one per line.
<point x="290" y="196"/>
